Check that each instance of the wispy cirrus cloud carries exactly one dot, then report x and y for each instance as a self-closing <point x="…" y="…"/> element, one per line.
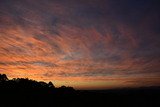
<point x="80" y="40"/>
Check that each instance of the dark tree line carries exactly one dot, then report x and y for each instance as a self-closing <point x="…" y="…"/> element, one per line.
<point x="24" y="92"/>
<point x="25" y="83"/>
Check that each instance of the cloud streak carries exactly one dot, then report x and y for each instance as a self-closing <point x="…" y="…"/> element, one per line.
<point x="81" y="40"/>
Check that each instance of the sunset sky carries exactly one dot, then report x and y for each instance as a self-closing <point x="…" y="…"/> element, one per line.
<point x="86" y="44"/>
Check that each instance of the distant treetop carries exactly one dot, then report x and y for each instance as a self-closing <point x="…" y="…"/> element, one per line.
<point x="25" y="83"/>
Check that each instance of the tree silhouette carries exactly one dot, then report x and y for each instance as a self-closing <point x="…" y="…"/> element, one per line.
<point x="25" y="83"/>
<point x="50" y="84"/>
<point x="3" y="77"/>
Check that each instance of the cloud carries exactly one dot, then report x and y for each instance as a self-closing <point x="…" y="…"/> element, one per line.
<point x="80" y="40"/>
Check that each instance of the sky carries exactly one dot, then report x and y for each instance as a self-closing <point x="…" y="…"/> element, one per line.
<point x="86" y="44"/>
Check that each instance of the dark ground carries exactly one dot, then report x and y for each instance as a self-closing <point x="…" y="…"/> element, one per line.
<point x="148" y="97"/>
<point x="20" y="92"/>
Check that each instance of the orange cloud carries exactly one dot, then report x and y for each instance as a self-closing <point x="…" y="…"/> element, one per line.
<point x="84" y="42"/>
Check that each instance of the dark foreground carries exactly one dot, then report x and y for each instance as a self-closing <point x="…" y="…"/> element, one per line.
<point x="112" y="98"/>
<point x="20" y="92"/>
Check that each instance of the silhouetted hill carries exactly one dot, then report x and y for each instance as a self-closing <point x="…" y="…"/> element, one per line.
<point x="28" y="84"/>
<point x="24" y="92"/>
